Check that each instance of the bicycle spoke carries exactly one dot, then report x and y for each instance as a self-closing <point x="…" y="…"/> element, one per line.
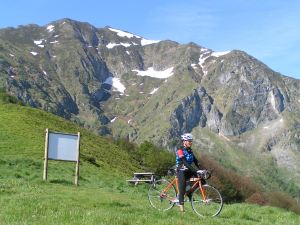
<point x="159" y="199"/>
<point x="210" y="205"/>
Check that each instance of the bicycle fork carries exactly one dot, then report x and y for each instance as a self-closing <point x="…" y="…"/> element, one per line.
<point x="164" y="194"/>
<point x="202" y="191"/>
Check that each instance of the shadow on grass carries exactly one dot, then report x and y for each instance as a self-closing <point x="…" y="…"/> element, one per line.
<point x="60" y="181"/>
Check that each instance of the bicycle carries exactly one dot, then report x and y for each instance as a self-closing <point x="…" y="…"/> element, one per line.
<point x="205" y="199"/>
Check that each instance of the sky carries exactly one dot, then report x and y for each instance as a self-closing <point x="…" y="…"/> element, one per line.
<point x="269" y="30"/>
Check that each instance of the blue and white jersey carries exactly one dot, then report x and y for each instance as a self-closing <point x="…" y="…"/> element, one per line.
<point x="187" y="154"/>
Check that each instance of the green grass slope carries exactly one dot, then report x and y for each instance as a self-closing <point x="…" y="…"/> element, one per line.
<point x="22" y="134"/>
<point x="103" y="195"/>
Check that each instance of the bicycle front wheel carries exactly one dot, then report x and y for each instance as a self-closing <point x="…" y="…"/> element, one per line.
<point x="209" y="203"/>
<point x="158" y="198"/>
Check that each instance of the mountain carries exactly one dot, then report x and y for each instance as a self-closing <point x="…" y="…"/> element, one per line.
<point x="116" y="83"/>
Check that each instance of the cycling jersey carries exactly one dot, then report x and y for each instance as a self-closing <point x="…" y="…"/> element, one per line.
<point x="187" y="154"/>
<point x="184" y="159"/>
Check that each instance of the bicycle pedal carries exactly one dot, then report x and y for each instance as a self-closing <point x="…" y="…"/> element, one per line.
<point x="174" y="200"/>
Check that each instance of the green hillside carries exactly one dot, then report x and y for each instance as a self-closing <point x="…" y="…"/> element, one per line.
<point x="103" y="195"/>
<point x="23" y="135"/>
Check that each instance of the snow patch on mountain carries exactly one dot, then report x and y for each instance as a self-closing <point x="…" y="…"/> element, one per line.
<point x="218" y="54"/>
<point x="153" y="91"/>
<point x="194" y="66"/>
<point x="148" y="42"/>
<point x="115" y="83"/>
<point x="112" y="45"/>
<point x="38" y="42"/>
<point x="150" y="72"/>
<point x="50" y="28"/>
<point x="205" y="54"/>
<point x="130" y="35"/>
<point x="272" y="101"/>
<point x="114" y="119"/>
<point x="123" y="33"/>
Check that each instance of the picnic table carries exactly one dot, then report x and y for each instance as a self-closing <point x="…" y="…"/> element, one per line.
<point x="148" y="177"/>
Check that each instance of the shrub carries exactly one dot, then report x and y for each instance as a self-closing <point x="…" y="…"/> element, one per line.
<point x="234" y="188"/>
<point x="156" y="159"/>
<point x="6" y="98"/>
<point x="282" y="200"/>
<point x="257" y="198"/>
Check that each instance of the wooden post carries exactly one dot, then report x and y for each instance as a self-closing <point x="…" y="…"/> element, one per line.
<point x="46" y="156"/>
<point x="77" y="163"/>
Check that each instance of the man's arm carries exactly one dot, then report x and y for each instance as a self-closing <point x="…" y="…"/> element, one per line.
<point x="196" y="162"/>
<point x="192" y="169"/>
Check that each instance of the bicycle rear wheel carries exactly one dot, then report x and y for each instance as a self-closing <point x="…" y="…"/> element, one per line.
<point x="209" y="206"/>
<point x="159" y="199"/>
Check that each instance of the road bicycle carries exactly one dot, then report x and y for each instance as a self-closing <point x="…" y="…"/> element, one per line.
<point x="206" y="200"/>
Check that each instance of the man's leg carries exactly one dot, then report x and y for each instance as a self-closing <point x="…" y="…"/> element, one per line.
<point x="181" y="184"/>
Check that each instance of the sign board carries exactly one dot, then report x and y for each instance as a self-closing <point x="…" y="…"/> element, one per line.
<point x="64" y="147"/>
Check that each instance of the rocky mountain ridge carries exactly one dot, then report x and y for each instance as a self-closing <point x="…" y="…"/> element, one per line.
<point x="117" y="83"/>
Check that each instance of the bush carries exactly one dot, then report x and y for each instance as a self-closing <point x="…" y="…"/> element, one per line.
<point x="6" y="98"/>
<point x="282" y="200"/>
<point x="234" y="188"/>
<point x="155" y="159"/>
<point x="257" y="198"/>
<point x="151" y="158"/>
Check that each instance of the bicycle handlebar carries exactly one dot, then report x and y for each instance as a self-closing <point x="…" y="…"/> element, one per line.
<point x="204" y="174"/>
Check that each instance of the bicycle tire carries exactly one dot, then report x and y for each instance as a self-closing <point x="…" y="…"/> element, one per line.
<point x="159" y="201"/>
<point x="209" y="207"/>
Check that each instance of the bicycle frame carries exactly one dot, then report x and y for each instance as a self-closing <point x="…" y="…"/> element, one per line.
<point x="197" y="182"/>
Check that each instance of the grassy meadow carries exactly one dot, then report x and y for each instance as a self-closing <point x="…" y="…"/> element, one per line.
<point x="103" y="195"/>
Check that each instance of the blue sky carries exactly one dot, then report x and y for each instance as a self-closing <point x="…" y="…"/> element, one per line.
<point x="269" y="30"/>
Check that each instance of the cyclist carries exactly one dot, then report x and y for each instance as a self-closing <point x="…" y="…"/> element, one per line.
<point x="184" y="160"/>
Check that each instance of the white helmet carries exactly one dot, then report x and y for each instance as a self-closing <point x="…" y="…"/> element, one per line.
<point x="187" y="137"/>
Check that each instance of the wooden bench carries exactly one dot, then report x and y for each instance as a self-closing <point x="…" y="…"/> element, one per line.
<point x="142" y="177"/>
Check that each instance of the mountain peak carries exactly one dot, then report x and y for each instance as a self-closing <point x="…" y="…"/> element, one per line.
<point x="155" y="88"/>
